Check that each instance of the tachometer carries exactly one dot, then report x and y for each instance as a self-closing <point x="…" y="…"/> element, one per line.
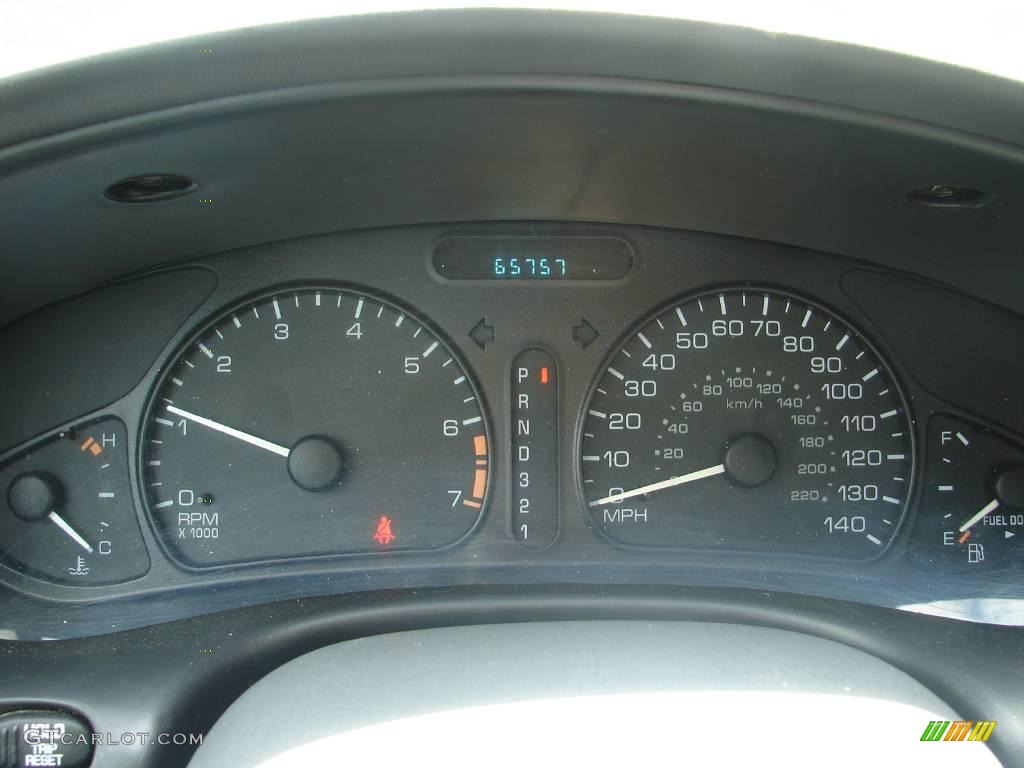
<point x="747" y="420"/>
<point x="314" y="421"/>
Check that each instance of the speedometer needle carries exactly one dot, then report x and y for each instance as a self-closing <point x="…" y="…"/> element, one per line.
<point x="700" y="474"/>
<point x="245" y="437"/>
<point x="990" y="507"/>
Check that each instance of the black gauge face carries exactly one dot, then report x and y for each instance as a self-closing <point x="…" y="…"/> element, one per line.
<point x="747" y="420"/>
<point x="972" y="505"/>
<point x="310" y="422"/>
<point x="69" y="515"/>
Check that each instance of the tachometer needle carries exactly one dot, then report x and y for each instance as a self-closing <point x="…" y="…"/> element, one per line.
<point x="61" y="523"/>
<point x="990" y="507"/>
<point x="245" y="437"/>
<point x="700" y="474"/>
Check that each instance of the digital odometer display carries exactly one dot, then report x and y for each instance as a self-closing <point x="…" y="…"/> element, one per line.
<point x="533" y="258"/>
<point x="309" y="422"/>
<point x="747" y="420"/>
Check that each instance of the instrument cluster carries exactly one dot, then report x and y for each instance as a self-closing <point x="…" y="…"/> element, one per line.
<point x="428" y="406"/>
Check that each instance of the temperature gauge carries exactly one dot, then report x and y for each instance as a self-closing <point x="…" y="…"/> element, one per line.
<point x="68" y="514"/>
<point x="973" y="504"/>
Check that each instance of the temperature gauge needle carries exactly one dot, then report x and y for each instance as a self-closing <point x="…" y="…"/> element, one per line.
<point x="700" y="474"/>
<point x="245" y="437"/>
<point x="61" y="523"/>
<point x="990" y="507"/>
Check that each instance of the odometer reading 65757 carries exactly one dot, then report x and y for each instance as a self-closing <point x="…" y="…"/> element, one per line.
<point x="747" y="420"/>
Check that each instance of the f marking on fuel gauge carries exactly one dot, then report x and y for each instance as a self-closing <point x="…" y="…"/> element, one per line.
<point x="534" y="455"/>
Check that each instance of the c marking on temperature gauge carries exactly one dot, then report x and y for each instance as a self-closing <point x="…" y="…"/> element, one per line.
<point x="534" y="456"/>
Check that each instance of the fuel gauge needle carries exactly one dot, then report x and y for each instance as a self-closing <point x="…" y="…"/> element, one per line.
<point x="977" y="517"/>
<point x="61" y="523"/>
<point x="700" y="474"/>
<point x="245" y="437"/>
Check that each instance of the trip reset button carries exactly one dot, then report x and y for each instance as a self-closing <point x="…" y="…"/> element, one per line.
<point x="43" y="737"/>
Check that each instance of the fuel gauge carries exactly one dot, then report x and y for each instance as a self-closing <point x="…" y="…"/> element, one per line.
<point x="972" y="509"/>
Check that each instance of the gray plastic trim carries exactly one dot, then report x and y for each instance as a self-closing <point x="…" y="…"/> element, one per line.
<point x="504" y="42"/>
<point x="553" y="669"/>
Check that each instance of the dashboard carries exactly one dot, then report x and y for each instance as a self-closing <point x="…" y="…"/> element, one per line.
<point x="512" y="403"/>
<point x="638" y="331"/>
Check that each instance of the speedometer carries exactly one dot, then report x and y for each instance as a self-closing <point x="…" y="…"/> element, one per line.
<point x="747" y="420"/>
